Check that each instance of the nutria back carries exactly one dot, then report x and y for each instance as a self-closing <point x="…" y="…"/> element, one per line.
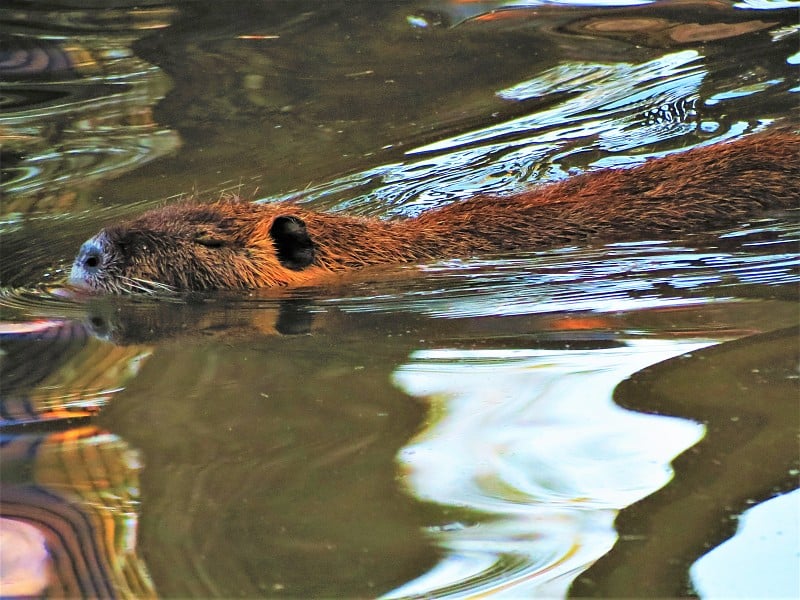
<point x="234" y="244"/>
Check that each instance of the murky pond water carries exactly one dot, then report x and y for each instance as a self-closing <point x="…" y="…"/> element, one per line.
<point x="584" y="420"/>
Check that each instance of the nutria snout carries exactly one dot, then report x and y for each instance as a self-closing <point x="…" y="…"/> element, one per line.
<point x="234" y="244"/>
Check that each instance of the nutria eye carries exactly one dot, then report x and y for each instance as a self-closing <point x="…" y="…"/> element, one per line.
<point x="209" y="240"/>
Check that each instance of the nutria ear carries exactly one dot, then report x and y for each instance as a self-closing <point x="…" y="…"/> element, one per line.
<point x="293" y="245"/>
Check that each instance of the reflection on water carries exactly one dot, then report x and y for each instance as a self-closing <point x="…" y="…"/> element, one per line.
<point x="745" y="391"/>
<point x="69" y="515"/>
<point x="760" y="560"/>
<point x="70" y="495"/>
<point x="615" y="102"/>
<point x="53" y="370"/>
<point x="24" y="560"/>
<point x="77" y="104"/>
<point x="533" y="438"/>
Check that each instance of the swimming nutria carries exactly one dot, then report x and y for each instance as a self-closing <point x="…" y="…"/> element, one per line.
<point x="234" y="244"/>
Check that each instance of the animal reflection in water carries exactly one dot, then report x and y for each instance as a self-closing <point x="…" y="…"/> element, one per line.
<point x="77" y="518"/>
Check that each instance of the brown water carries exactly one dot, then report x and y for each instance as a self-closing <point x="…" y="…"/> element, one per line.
<point x="492" y="426"/>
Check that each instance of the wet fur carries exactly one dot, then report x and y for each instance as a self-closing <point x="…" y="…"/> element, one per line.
<point x="234" y="244"/>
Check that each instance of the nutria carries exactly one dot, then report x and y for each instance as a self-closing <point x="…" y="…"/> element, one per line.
<point x="234" y="244"/>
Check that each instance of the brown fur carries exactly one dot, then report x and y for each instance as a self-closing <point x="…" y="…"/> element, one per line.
<point x="237" y="245"/>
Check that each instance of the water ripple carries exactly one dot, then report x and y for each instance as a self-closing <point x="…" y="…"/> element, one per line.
<point x="586" y="116"/>
<point x="98" y="98"/>
<point x="617" y="277"/>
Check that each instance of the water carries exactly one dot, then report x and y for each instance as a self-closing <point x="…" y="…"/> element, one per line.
<point x="492" y="425"/>
<point x="772" y="527"/>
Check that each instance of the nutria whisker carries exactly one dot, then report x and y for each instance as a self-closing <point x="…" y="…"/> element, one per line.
<point x="144" y="286"/>
<point x="127" y="284"/>
<point x="233" y="244"/>
<point x="154" y="287"/>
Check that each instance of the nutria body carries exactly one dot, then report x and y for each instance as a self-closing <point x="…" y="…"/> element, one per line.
<point x="234" y="244"/>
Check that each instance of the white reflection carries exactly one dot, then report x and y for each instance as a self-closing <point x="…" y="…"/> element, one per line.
<point x="25" y="563"/>
<point x="533" y="438"/>
<point x="596" y="89"/>
<point x="761" y="561"/>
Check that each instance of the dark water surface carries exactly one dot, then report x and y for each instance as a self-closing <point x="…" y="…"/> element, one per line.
<point x="585" y="421"/>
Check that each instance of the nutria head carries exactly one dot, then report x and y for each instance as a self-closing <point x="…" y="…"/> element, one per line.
<point x="227" y="245"/>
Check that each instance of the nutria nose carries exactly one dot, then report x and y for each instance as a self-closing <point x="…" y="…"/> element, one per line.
<point x="88" y="262"/>
<point x="90" y="256"/>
